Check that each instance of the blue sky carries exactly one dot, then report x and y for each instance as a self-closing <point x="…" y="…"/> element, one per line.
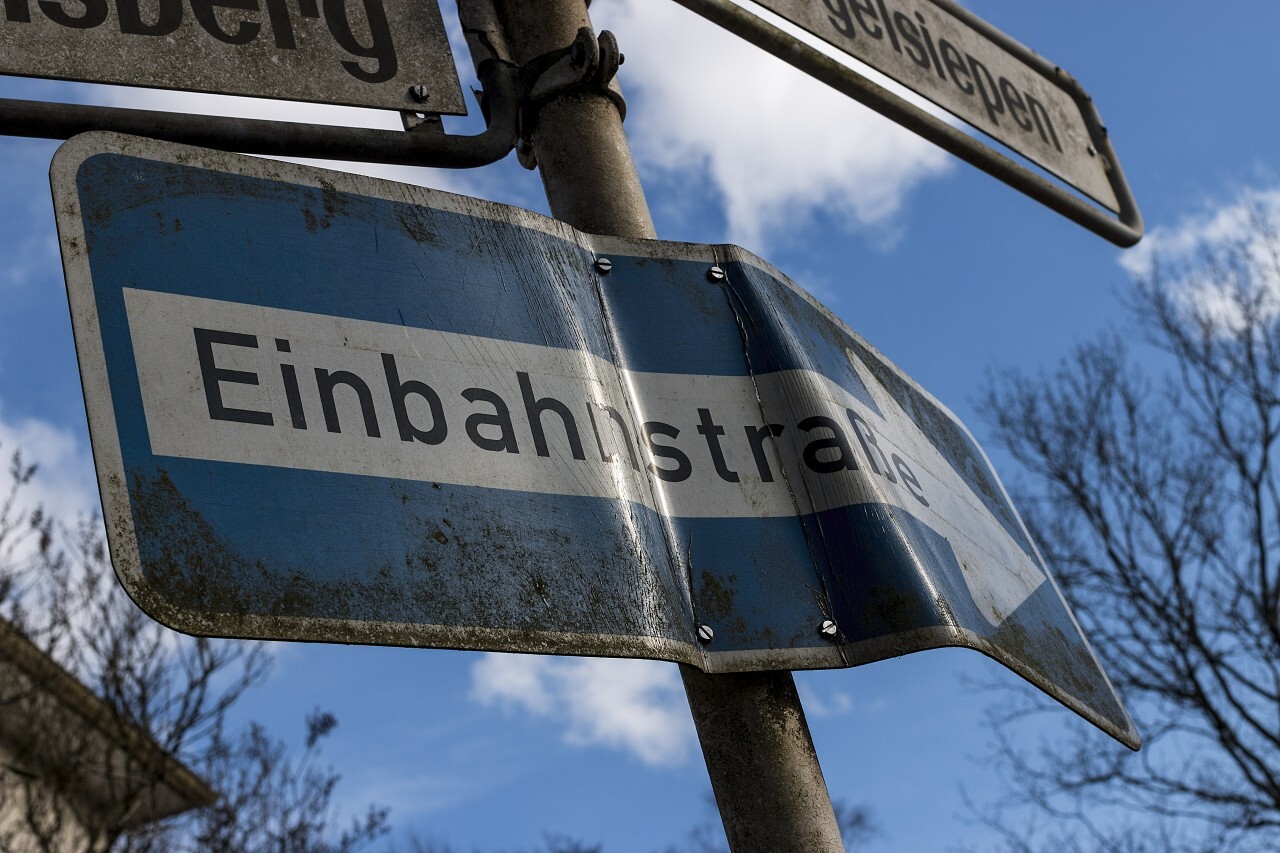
<point x="948" y="272"/>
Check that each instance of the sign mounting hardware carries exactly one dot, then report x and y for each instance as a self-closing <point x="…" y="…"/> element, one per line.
<point x="382" y="54"/>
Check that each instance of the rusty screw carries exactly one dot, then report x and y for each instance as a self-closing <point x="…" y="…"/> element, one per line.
<point x="603" y="265"/>
<point x="419" y="93"/>
<point x="715" y="274"/>
<point x="705" y="634"/>
<point x="828" y="629"/>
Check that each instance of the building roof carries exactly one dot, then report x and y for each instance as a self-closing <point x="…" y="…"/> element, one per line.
<point x="171" y="786"/>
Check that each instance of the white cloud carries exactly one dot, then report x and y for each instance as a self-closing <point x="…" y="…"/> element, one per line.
<point x="637" y="706"/>
<point x="834" y="703"/>
<point x="777" y="146"/>
<point x="1246" y="228"/>
<point x="63" y="484"/>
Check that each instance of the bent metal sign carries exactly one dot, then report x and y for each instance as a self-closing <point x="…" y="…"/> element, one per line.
<point x="365" y="53"/>
<point x="334" y="408"/>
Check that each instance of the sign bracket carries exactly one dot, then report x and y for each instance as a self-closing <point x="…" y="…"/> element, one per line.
<point x="422" y="143"/>
<point x="1124" y="231"/>
<point x="589" y="64"/>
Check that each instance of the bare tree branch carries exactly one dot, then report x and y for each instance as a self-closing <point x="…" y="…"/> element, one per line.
<point x="1156" y="499"/>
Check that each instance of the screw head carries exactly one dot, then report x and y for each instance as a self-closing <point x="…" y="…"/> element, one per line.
<point x="716" y="274"/>
<point x="705" y="634"/>
<point x="419" y="93"/>
<point x="603" y="265"/>
<point x="829" y="629"/>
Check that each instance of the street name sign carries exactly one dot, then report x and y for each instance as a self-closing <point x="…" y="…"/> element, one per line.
<point x="328" y="407"/>
<point x="929" y="48"/>
<point x="963" y="64"/>
<point x="364" y="53"/>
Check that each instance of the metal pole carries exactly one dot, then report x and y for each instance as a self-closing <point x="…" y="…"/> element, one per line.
<point x="760" y="756"/>
<point x="419" y="147"/>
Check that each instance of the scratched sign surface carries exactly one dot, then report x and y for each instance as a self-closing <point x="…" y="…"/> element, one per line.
<point x="334" y="408"/>
<point x="362" y="53"/>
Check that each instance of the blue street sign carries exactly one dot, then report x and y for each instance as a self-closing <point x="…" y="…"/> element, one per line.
<point x="328" y="407"/>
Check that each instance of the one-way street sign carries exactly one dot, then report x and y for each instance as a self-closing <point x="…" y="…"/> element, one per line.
<point x="328" y="407"/>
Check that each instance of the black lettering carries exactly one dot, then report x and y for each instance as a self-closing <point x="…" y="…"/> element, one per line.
<point x="756" y="437"/>
<point x="382" y="50"/>
<point x="988" y="90"/>
<point x="683" y="467"/>
<point x="167" y="19"/>
<point x="955" y="66"/>
<point x="246" y="31"/>
<point x="888" y="25"/>
<point x="292" y="394"/>
<point x="864" y="7"/>
<point x="843" y="461"/>
<point x="326" y="382"/>
<point x="616" y="417"/>
<point x="399" y="391"/>
<point x="839" y="17"/>
<point x="95" y="12"/>
<point x="1038" y="112"/>
<point x="928" y="42"/>
<point x="281" y="24"/>
<point x="297" y="416"/>
<point x="712" y="432"/>
<point x="501" y="418"/>
<point x="1017" y="108"/>
<point x="212" y="376"/>
<point x="911" y="36"/>
<point x="18" y="11"/>
<point x="909" y="479"/>
<point x="870" y="448"/>
<point x="533" y="410"/>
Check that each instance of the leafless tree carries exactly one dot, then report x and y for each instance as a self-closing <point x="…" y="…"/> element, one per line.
<point x="1156" y="499"/>
<point x="273" y="803"/>
<point x="57" y="592"/>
